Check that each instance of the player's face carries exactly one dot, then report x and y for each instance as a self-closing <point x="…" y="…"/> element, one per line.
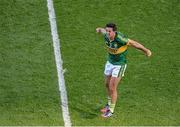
<point x="110" y="32"/>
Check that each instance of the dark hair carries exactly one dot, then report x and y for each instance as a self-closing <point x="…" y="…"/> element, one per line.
<point x="112" y="25"/>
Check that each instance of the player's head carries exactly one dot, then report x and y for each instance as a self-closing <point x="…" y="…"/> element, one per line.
<point x="111" y="28"/>
<point x="112" y="25"/>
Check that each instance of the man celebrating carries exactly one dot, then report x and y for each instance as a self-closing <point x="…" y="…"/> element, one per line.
<point x="115" y="67"/>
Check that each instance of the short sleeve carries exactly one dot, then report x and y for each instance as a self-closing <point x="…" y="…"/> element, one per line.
<point x="123" y="39"/>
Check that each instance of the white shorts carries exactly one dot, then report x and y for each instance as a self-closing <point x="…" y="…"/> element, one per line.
<point x="114" y="70"/>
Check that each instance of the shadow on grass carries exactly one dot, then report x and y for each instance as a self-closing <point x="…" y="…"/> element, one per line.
<point x="87" y="113"/>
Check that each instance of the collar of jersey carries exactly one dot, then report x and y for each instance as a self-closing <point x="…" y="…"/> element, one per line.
<point x="116" y="35"/>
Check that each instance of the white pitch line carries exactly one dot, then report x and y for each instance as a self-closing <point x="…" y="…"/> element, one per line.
<point x="57" y="53"/>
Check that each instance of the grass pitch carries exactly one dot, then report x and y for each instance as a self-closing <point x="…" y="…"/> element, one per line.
<point x="28" y="80"/>
<point x="150" y="91"/>
<point x="149" y="94"/>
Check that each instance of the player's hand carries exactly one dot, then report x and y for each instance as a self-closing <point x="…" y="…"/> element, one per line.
<point x="98" y="30"/>
<point x="148" y="53"/>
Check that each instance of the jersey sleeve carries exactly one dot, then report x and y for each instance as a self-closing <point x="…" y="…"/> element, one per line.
<point x="123" y="39"/>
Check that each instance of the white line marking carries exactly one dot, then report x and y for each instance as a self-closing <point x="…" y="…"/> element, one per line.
<point x="57" y="53"/>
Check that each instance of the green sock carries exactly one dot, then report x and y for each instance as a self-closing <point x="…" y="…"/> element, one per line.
<point x="111" y="107"/>
<point x="109" y="100"/>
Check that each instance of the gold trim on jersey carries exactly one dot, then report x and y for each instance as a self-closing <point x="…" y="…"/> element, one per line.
<point x="117" y="50"/>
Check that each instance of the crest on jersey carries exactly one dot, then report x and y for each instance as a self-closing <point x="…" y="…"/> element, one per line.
<point x="115" y="45"/>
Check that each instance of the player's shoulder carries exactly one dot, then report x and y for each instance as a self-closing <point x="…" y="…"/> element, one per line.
<point x="121" y="37"/>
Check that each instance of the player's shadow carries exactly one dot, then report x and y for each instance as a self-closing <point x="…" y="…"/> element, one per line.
<point x="87" y="113"/>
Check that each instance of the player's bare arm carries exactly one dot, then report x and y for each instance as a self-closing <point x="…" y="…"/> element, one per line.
<point x="140" y="47"/>
<point x="100" y="30"/>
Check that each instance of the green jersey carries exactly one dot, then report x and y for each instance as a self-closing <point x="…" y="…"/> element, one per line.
<point x="117" y="49"/>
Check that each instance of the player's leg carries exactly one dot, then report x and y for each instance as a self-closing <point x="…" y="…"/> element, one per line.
<point x="108" y="73"/>
<point x="114" y="81"/>
<point x="117" y="73"/>
<point x="107" y="81"/>
<point x="113" y="90"/>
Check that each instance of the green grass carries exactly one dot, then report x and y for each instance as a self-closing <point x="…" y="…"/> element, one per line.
<point x="150" y="91"/>
<point x="149" y="94"/>
<point x="28" y="80"/>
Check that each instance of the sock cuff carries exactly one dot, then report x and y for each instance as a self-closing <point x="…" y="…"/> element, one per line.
<point x="111" y="107"/>
<point x="108" y="97"/>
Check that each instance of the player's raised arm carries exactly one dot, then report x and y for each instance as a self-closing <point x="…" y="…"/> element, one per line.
<point x="139" y="46"/>
<point x="101" y="30"/>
